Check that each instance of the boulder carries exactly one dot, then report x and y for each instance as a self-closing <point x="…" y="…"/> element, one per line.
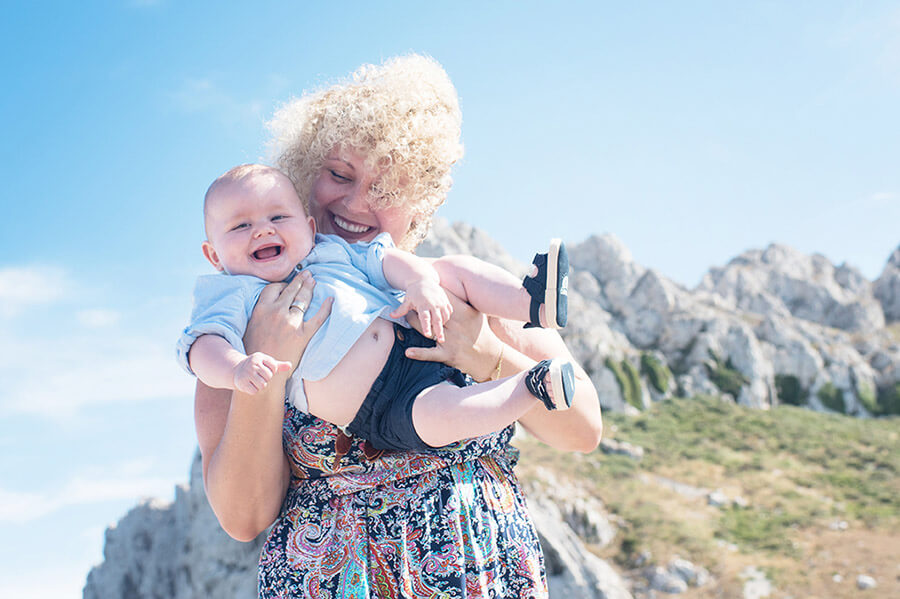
<point x="175" y="550"/>
<point x="781" y="280"/>
<point x="887" y="288"/>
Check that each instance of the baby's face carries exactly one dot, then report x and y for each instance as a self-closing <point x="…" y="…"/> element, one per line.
<point x="257" y="226"/>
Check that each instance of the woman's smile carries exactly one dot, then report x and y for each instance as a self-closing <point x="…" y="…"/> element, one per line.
<point x="350" y="226"/>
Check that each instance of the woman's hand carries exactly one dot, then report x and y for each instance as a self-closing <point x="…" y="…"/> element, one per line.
<point x="277" y="327"/>
<point x="245" y="470"/>
<point x="473" y="345"/>
<point x="469" y="343"/>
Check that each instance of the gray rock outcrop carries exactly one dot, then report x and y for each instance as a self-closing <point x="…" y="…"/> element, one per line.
<point x="175" y="550"/>
<point x="887" y="288"/>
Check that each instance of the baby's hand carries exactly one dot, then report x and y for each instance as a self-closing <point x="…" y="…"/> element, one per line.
<point x="253" y="373"/>
<point x="431" y="303"/>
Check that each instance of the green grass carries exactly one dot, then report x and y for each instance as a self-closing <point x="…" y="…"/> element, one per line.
<point x="798" y="470"/>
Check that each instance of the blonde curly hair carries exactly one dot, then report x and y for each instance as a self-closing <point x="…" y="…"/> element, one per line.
<point x="402" y="115"/>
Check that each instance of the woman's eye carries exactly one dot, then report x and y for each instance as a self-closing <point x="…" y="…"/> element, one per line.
<point x="339" y="177"/>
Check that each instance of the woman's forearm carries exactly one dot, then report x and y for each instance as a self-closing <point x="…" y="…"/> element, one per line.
<point x="577" y="429"/>
<point x="245" y="470"/>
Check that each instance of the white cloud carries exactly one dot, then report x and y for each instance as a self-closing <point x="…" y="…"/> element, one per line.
<point x="884" y="197"/>
<point x="127" y="480"/>
<point x="56" y="378"/>
<point x="877" y="37"/>
<point x="51" y="368"/>
<point x="206" y="96"/>
<point x="23" y="287"/>
<point x="98" y="318"/>
<point x="48" y="583"/>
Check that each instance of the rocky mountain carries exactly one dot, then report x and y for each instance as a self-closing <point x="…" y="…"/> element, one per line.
<point x="771" y="326"/>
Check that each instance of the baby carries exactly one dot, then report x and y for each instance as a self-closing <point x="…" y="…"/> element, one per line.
<point x="354" y="372"/>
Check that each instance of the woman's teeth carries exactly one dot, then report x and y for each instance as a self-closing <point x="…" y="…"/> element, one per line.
<point x="350" y="227"/>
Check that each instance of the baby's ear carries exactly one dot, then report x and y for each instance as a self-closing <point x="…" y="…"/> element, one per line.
<point x="209" y="252"/>
<point x="312" y="224"/>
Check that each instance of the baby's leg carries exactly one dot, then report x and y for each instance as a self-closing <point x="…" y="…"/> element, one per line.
<point x="541" y="300"/>
<point x="445" y="413"/>
<point x="490" y="289"/>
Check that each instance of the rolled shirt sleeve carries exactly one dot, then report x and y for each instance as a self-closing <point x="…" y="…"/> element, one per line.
<point x="222" y="306"/>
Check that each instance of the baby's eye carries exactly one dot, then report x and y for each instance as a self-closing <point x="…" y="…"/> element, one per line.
<point x="240" y="226"/>
<point x="278" y="217"/>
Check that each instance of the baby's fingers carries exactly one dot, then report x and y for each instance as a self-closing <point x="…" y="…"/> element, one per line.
<point x="272" y="365"/>
<point x="402" y="310"/>
<point x="425" y="319"/>
<point x="438" y="326"/>
<point x="449" y="310"/>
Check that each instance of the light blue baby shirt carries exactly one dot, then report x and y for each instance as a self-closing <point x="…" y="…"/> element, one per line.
<point x="351" y="273"/>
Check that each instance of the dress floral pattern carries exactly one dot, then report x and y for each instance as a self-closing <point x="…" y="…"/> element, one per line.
<point x="448" y="524"/>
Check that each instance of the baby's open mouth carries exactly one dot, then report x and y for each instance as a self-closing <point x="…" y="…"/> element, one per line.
<point x="267" y="252"/>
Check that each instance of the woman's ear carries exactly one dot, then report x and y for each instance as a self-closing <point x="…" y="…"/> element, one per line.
<point x="209" y="252"/>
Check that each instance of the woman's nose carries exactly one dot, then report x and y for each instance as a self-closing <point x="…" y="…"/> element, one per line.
<point x="358" y="199"/>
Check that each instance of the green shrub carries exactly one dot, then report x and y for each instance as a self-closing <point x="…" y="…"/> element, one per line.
<point x="790" y="391"/>
<point x="656" y="372"/>
<point x="634" y="380"/>
<point x="629" y="381"/>
<point x="866" y="394"/>
<point x="725" y="376"/>
<point x="889" y="400"/>
<point x="832" y="398"/>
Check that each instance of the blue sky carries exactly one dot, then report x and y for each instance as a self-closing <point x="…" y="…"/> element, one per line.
<point x="691" y="130"/>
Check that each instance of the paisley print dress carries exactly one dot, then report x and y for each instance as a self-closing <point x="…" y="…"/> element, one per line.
<point x="448" y="524"/>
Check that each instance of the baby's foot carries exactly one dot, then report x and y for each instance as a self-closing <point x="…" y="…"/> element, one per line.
<point x="548" y="287"/>
<point x="553" y="382"/>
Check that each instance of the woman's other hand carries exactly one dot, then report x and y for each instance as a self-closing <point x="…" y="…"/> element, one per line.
<point x="469" y="343"/>
<point x="277" y="327"/>
<point x="246" y="472"/>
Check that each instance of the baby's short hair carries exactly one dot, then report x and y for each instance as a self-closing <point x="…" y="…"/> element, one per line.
<point x="237" y="174"/>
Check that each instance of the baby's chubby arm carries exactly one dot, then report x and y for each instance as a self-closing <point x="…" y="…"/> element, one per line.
<point x="424" y="294"/>
<point x="219" y="365"/>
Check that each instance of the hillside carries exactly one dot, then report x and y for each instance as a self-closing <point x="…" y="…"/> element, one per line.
<point x="802" y="496"/>
<point x="778" y="477"/>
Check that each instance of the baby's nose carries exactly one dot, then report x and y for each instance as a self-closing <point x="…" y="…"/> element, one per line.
<point x="263" y="229"/>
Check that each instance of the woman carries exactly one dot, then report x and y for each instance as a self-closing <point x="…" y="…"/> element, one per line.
<point x="373" y="155"/>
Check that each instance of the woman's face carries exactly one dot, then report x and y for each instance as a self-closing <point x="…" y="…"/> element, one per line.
<point x="340" y="201"/>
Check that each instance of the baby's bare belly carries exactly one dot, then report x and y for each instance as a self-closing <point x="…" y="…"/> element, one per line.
<point x="338" y="396"/>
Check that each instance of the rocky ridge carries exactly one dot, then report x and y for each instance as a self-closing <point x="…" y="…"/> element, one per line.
<point x="771" y="326"/>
